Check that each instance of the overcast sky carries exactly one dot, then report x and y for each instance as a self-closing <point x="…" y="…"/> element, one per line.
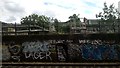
<point x="13" y="10"/>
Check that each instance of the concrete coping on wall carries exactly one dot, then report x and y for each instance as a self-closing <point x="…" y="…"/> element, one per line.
<point x="62" y="64"/>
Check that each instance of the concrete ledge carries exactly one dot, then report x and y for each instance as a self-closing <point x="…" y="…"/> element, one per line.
<point x="60" y="63"/>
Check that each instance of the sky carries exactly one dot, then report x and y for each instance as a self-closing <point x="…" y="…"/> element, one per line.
<point x="12" y="11"/>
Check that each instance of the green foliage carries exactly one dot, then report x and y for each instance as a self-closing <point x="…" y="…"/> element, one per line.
<point x="34" y="19"/>
<point x="75" y="18"/>
<point x="109" y="14"/>
<point x="56" y="24"/>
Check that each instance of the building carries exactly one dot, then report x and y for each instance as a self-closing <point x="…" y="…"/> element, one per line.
<point x="51" y="28"/>
<point x="92" y="25"/>
<point x="96" y="26"/>
<point x="77" y="27"/>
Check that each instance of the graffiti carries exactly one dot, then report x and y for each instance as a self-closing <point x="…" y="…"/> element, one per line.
<point x="17" y="58"/>
<point x="61" y="53"/>
<point x="14" y="49"/>
<point x="40" y="55"/>
<point x="117" y="47"/>
<point x="35" y="46"/>
<point x="74" y="52"/>
<point x="36" y="50"/>
<point x="99" y="52"/>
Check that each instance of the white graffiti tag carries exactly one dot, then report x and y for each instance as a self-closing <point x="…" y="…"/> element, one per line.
<point x="36" y="50"/>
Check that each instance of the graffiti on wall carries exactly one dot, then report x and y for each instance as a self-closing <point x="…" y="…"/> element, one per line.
<point x="15" y="50"/>
<point x="36" y="50"/>
<point x="74" y="52"/>
<point x="61" y="53"/>
<point x="99" y="52"/>
<point x="44" y="50"/>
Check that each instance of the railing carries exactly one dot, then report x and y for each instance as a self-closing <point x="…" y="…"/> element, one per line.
<point x="95" y="28"/>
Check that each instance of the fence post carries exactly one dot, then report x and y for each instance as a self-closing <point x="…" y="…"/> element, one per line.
<point x="15" y="29"/>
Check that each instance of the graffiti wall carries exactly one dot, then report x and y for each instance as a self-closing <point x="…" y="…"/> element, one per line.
<point x="99" y="52"/>
<point x="52" y="50"/>
<point x="36" y="50"/>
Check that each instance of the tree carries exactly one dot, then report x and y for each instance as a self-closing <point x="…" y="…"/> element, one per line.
<point x="74" y="21"/>
<point x="108" y="17"/>
<point x="34" y="19"/>
<point x="56" y="24"/>
<point x="31" y="19"/>
<point x="75" y="18"/>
